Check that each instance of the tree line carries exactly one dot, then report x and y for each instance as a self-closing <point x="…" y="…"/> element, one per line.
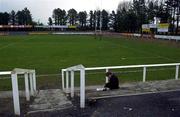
<point x="128" y="17"/>
<point x="131" y="15"/>
<point x="82" y="18"/>
<point x="21" y="17"/>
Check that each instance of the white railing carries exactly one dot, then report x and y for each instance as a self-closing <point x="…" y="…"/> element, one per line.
<point x="71" y="70"/>
<point x="5" y="73"/>
<point x="29" y="76"/>
<point x="167" y="37"/>
<point x="164" y="37"/>
<point x="82" y="76"/>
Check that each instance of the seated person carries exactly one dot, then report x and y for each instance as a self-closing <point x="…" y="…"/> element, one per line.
<point x="113" y="81"/>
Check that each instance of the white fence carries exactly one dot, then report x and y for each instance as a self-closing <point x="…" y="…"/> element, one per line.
<point x="73" y="33"/>
<point x="82" y="70"/>
<point x="166" y="37"/>
<point x="30" y="78"/>
<point x="82" y="82"/>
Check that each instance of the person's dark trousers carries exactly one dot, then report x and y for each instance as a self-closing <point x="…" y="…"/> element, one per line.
<point x="111" y="86"/>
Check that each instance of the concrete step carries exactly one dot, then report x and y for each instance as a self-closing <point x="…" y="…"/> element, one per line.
<point x="136" y="88"/>
<point x="49" y="100"/>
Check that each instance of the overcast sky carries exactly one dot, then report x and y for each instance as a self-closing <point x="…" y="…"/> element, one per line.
<point x="42" y="9"/>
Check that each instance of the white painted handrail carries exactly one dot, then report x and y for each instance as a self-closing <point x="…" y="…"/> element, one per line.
<point x="70" y="72"/>
<point x="167" y="37"/>
<point x="82" y="76"/>
<point x="128" y="66"/>
<point x="5" y="73"/>
<point x="132" y="66"/>
<point x="29" y="75"/>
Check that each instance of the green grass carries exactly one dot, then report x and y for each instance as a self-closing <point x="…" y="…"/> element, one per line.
<point x="47" y="54"/>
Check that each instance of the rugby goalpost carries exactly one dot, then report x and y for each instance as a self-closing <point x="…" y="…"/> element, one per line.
<point x="29" y="78"/>
<point x="70" y="72"/>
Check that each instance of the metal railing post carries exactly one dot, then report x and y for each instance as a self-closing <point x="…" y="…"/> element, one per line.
<point x="67" y="81"/>
<point x="62" y="75"/>
<point x="82" y="88"/>
<point x="177" y="72"/>
<point x="15" y="93"/>
<point x="144" y="74"/>
<point x="34" y="81"/>
<point x="31" y="84"/>
<point x="106" y="76"/>
<point x="27" y="86"/>
<point x="72" y="84"/>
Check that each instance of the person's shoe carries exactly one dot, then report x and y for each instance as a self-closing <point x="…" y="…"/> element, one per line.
<point x="99" y="89"/>
<point x="105" y="89"/>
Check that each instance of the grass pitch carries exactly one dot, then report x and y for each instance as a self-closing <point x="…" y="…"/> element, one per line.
<point x="48" y="54"/>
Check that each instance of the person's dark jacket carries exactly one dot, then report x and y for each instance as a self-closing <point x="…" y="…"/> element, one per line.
<point x="113" y="82"/>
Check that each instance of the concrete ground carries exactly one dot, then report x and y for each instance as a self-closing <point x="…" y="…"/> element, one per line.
<point x="149" y="99"/>
<point x="49" y="100"/>
<point x="135" y="88"/>
<point x="131" y="100"/>
<point x="147" y="105"/>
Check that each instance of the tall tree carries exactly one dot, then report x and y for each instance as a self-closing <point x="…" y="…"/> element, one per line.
<point x="178" y="15"/>
<point x="91" y="19"/>
<point x="151" y="13"/>
<point x="105" y="19"/>
<point x="13" y="17"/>
<point x="27" y="16"/>
<point x="122" y="14"/>
<point x="64" y="17"/>
<point x="98" y="19"/>
<point x="5" y="18"/>
<point x="1" y="18"/>
<point x="55" y="16"/>
<point x="59" y="16"/>
<point x="72" y="16"/>
<point x="95" y="20"/>
<point x="50" y="22"/>
<point x="20" y="17"/>
<point x="24" y="17"/>
<point x="113" y="20"/>
<point x="82" y="18"/>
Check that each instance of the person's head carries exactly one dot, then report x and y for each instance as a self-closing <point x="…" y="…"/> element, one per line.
<point x="108" y="74"/>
